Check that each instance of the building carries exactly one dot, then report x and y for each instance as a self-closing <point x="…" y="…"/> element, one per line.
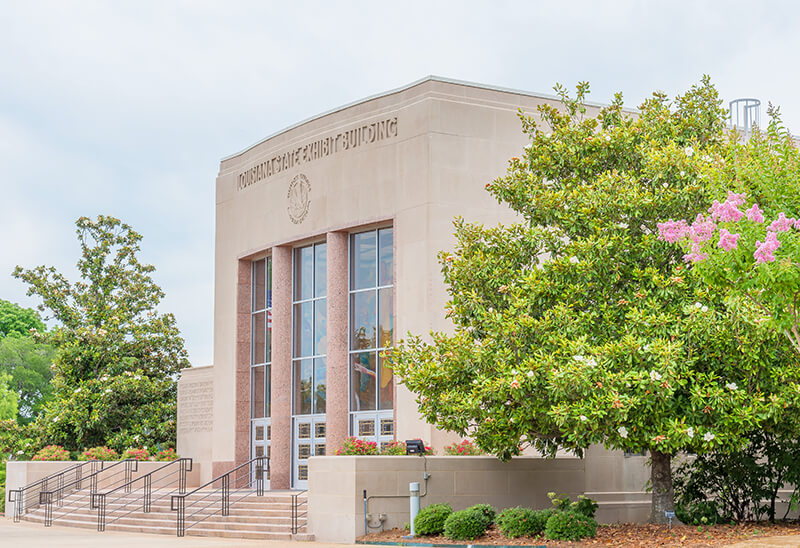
<point x="327" y="236"/>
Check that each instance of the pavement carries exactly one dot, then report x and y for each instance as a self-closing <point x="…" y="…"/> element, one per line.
<point x="34" y="535"/>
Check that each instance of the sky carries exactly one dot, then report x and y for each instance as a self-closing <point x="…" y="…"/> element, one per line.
<point x="126" y="108"/>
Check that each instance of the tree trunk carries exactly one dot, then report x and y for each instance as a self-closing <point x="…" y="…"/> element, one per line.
<point x="661" y="480"/>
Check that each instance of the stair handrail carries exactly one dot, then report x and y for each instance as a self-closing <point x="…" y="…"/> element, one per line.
<point x="46" y="497"/>
<point x="17" y="496"/>
<point x="178" y="502"/>
<point x="296" y="515"/>
<point x="99" y="501"/>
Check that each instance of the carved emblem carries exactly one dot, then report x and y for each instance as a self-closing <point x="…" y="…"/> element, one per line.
<point x="299" y="198"/>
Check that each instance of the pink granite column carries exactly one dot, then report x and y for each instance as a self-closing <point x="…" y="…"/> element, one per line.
<point x="280" y="462"/>
<point x="242" y="375"/>
<point x="337" y="388"/>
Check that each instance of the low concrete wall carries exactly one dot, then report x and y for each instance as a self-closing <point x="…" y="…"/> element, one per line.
<point x="336" y="486"/>
<point x="22" y="473"/>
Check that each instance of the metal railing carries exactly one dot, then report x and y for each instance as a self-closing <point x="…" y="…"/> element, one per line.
<point x="243" y="478"/>
<point x="46" y="498"/>
<point x="28" y="497"/>
<point x="296" y="515"/>
<point x="102" y="501"/>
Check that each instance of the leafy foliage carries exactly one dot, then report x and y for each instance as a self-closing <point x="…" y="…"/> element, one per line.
<point x="430" y="520"/>
<point x="464" y="449"/>
<point x="356" y="446"/>
<point x="570" y="526"/>
<point x="16" y="320"/>
<point x="578" y="325"/>
<point x="742" y="485"/>
<point x="51" y="452"/>
<point x="747" y="245"/>
<point x="99" y="453"/>
<point x="8" y="398"/>
<point x="166" y="455"/>
<point x="466" y="524"/>
<point x="487" y="510"/>
<point x="28" y="362"/>
<point x="520" y="522"/>
<point x="584" y="505"/>
<point x="138" y="453"/>
<point x="117" y="357"/>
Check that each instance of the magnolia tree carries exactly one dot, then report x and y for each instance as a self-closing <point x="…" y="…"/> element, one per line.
<point x="579" y="325"/>
<point x="749" y="245"/>
<point x="117" y="357"/>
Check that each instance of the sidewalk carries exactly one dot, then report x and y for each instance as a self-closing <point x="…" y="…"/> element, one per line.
<point x="34" y="535"/>
<point x="769" y="542"/>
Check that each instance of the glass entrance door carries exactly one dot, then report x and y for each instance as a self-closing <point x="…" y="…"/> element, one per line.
<point x="309" y="440"/>
<point x="309" y="346"/>
<point x="261" y="436"/>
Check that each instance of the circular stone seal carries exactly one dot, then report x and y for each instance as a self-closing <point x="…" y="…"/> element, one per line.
<point x="299" y="198"/>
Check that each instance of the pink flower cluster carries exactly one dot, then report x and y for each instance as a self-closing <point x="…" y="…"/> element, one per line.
<point x="728" y="211"/>
<point x="727" y="240"/>
<point x="765" y="249"/>
<point x="702" y="229"/>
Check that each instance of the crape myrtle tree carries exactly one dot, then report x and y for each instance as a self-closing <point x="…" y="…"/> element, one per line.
<point x="117" y="357"/>
<point x="747" y="243"/>
<point x="579" y="326"/>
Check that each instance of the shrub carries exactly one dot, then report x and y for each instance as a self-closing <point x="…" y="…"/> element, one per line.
<point x="584" y="505"/>
<point x="430" y="520"/>
<point x="99" y="453"/>
<point x="466" y="524"/>
<point x="519" y="522"/>
<point x="355" y="446"/>
<point x="485" y="509"/>
<point x="700" y="512"/>
<point x="166" y="455"/>
<point x="394" y="448"/>
<point x="464" y="449"/>
<point x="52" y="452"/>
<point x="569" y="525"/>
<point x="139" y="453"/>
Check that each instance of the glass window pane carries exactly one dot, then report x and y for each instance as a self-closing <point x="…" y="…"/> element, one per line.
<point x="386" y="379"/>
<point x="386" y="256"/>
<point x="362" y="320"/>
<point x="269" y="282"/>
<point x="303" y="329"/>
<point x="303" y="273"/>
<point x="386" y="315"/>
<point x="268" y="341"/>
<point x="302" y="387"/>
<point x="320" y="270"/>
<point x="320" y="374"/>
<point x="258" y="327"/>
<point x="320" y="326"/>
<point x="363" y="259"/>
<point x="259" y="278"/>
<point x="268" y="390"/>
<point x="257" y="394"/>
<point x="362" y="379"/>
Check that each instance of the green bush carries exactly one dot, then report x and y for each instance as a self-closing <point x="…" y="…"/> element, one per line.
<point x="52" y="452"/>
<point x="520" y="522"/>
<point x="99" y="453"/>
<point x="138" y="453"/>
<point x="487" y="510"/>
<point x="2" y="486"/>
<point x="584" y="505"/>
<point x="430" y="520"/>
<point x="570" y="526"/>
<point x="701" y="512"/>
<point x="466" y="524"/>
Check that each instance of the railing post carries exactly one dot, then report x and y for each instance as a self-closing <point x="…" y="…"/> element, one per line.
<point x="260" y="477"/>
<point x="17" y="500"/>
<point x="99" y="500"/>
<point x="93" y="484"/>
<point x="78" y="478"/>
<point x="128" y="474"/>
<point x="294" y="514"/>
<point x="60" y="491"/>
<point x="181" y="509"/>
<point x="226" y="494"/>
<point x="148" y="485"/>
<point x="48" y="507"/>
<point x="182" y="477"/>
